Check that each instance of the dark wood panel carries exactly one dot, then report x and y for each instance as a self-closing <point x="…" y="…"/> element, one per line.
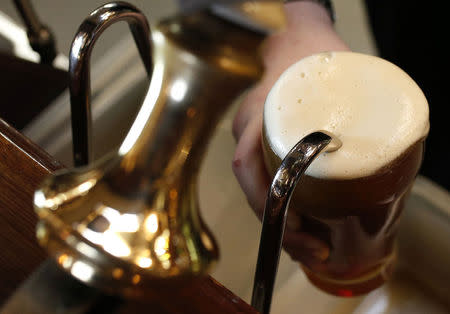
<point x="22" y="166"/>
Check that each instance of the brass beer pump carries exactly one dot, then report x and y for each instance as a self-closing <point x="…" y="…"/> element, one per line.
<point x="130" y="222"/>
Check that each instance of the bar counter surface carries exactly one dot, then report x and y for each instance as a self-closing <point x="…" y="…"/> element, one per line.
<point x="23" y="165"/>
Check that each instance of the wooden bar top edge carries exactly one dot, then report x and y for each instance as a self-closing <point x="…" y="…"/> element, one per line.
<point x="23" y="165"/>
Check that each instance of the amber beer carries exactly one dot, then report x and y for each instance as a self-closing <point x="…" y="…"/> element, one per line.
<point x="351" y="199"/>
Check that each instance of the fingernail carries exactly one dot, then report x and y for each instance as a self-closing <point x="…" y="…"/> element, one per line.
<point x="321" y="254"/>
<point x="293" y="221"/>
<point x="292" y="224"/>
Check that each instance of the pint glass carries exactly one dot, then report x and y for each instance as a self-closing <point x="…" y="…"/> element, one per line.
<point x="351" y="199"/>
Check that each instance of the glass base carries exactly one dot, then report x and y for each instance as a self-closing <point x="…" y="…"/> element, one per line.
<point x="354" y="287"/>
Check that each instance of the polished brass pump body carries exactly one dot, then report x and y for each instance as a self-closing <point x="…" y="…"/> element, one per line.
<point x="130" y="221"/>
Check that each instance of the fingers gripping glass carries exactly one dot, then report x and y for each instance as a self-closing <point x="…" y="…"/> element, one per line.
<point x="275" y="212"/>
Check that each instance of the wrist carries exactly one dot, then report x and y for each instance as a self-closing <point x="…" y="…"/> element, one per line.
<point x="306" y="12"/>
<point x="326" y="4"/>
<point x="309" y="30"/>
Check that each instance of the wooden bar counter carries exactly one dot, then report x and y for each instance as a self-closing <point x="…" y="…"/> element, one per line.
<point x="22" y="166"/>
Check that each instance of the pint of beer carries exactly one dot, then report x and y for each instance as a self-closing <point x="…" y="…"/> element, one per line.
<point x="352" y="198"/>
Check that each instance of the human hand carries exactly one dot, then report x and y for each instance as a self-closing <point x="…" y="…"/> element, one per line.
<point x="309" y="31"/>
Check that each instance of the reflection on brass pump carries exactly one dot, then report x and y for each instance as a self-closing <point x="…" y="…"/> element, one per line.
<point x="131" y="221"/>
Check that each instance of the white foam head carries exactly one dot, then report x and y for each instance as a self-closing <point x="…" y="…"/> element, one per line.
<point x="372" y="105"/>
